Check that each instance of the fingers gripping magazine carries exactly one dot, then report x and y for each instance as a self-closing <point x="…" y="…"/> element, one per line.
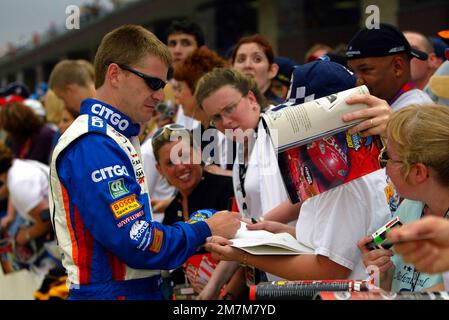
<point x="315" y="151"/>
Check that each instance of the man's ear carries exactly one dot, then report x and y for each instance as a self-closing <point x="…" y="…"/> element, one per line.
<point x="273" y="70"/>
<point x="252" y="98"/>
<point x="70" y="88"/>
<point x="399" y="66"/>
<point x="432" y="61"/>
<point x="113" y="74"/>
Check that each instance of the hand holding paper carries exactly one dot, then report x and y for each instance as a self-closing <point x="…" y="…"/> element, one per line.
<point x="262" y="242"/>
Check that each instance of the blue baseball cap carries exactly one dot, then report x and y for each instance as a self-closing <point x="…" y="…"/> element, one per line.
<point x="439" y="46"/>
<point x="319" y="79"/>
<point x="15" y="89"/>
<point x="286" y="66"/>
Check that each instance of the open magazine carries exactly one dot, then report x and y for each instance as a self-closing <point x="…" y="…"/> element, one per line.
<point x="315" y="152"/>
<point x="262" y="242"/>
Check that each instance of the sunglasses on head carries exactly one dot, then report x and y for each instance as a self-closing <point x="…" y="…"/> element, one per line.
<point x="154" y="83"/>
<point x="169" y="127"/>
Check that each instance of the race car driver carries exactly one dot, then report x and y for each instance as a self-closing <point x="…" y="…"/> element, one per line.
<point x="111" y="247"/>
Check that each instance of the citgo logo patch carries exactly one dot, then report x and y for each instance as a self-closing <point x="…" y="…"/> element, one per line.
<point x="124" y="206"/>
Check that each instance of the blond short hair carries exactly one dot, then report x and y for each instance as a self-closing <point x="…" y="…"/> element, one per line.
<point x="68" y="72"/>
<point x="420" y="134"/>
<point x="127" y="45"/>
<point x="89" y="68"/>
<point x="53" y="107"/>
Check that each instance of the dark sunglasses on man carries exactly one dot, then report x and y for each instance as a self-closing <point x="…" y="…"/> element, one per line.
<point x="153" y="83"/>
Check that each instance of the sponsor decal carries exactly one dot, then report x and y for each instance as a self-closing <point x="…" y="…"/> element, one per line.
<point x="119" y="135"/>
<point x="109" y="172"/>
<point x="139" y="173"/>
<point x="308" y="175"/>
<point x="108" y="114"/>
<point x="124" y="206"/>
<point x="132" y="217"/>
<point x="97" y="122"/>
<point x="140" y="176"/>
<point x="137" y="229"/>
<point x="136" y="162"/>
<point x="156" y="241"/>
<point x="117" y="188"/>
<point x="146" y="239"/>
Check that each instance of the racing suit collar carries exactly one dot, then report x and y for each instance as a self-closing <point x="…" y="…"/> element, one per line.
<point x="111" y="115"/>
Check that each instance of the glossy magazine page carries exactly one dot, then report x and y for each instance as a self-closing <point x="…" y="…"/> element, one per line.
<point x="315" y="151"/>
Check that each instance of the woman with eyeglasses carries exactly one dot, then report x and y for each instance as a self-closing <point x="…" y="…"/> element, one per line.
<point x="234" y="104"/>
<point x="330" y="223"/>
<point x="179" y="161"/>
<point x="258" y="186"/>
<point x="186" y="76"/>
<point x="416" y="160"/>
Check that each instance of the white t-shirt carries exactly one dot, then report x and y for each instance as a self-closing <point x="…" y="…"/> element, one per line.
<point x="414" y="96"/>
<point x="158" y="187"/>
<point x="264" y="187"/>
<point x="217" y="144"/>
<point x="334" y="221"/>
<point x="184" y="120"/>
<point x="27" y="185"/>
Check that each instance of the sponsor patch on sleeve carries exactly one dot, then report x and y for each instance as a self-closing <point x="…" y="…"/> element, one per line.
<point x="156" y="241"/>
<point x="124" y="206"/>
<point x="117" y="188"/>
<point x="130" y="218"/>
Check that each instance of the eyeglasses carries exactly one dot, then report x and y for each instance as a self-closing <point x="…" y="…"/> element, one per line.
<point x="226" y="112"/>
<point x="155" y="84"/>
<point x="384" y="158"/>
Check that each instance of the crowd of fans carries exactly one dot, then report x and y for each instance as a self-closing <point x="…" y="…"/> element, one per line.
<point x="407" y="77"/>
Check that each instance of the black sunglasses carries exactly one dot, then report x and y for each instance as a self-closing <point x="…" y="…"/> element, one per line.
<point x="152" y="82"/>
